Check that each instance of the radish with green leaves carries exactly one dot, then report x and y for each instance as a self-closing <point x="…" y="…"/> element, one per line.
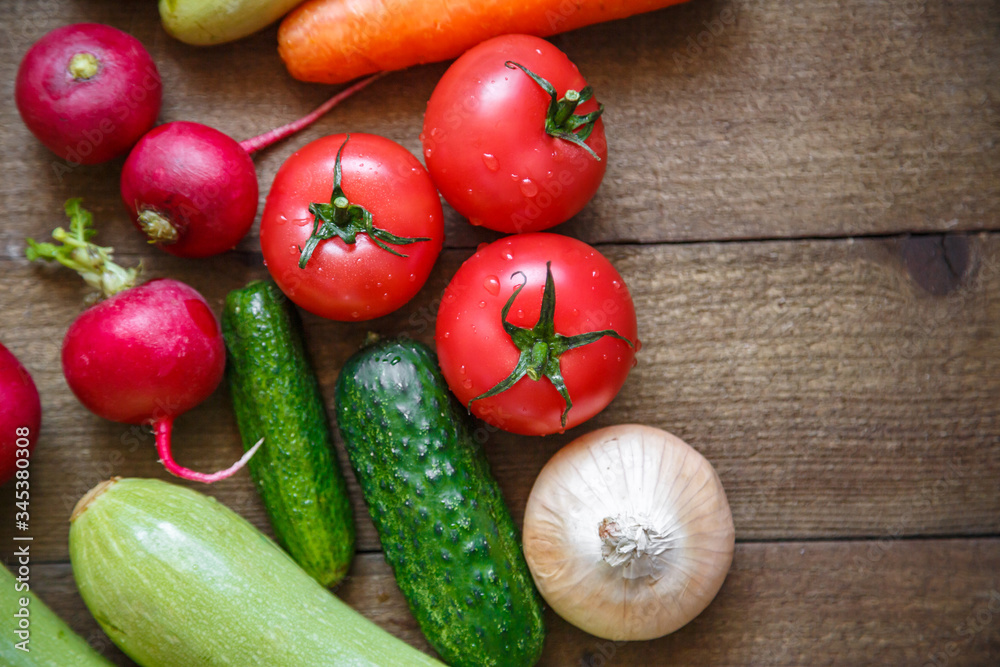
<point x="144" y="355"/>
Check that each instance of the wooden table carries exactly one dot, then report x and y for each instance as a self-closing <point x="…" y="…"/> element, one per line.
<point x="803" y="198"/>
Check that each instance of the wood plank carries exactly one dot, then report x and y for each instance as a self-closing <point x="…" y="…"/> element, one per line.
<point x="884" y="602"/>
<point x="727" y="119"/>
<point x="835" y="394"/>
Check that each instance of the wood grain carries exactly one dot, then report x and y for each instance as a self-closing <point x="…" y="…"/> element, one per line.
<point x="835" y="395"/>
<point x="844" y="388"/>
<point x="890" y="602"/>
<point x="727" y="119"/>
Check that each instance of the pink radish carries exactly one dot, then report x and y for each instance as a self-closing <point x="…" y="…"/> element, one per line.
<point x="88" y="92"/>
<point x="20" y="414"/>
<point x="192" y="190"/>
<point x="146" y="354"/>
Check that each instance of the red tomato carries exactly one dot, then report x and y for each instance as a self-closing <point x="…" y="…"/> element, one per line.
<point x="379" y="271"/>
<point x="485" y="140"/>
<point x="477" y="352"/>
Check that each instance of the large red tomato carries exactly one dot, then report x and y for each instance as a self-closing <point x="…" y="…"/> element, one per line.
<point x="504" y="152"/>
<point x="358" y="248"/>
<point x="536" y="333"/>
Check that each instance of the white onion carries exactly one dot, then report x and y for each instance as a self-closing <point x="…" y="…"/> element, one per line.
<point x="628" y="533"/>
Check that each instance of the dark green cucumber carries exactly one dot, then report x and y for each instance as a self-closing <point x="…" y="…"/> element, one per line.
<point x="443" y="523"/>
<point x="276" y="397"/>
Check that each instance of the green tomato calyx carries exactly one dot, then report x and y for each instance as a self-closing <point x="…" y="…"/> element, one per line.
<point x="346" y="220"/>
<point x="541" y="346"/>
<point x="560" y="120"/>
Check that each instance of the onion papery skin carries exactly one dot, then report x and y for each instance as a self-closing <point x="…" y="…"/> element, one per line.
<point x="628" y="471"/>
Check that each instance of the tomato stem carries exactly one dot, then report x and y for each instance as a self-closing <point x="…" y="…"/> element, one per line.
<point x="541" y="346"/>
<point x="345" y="220"/>
<point x="560" y="120"/>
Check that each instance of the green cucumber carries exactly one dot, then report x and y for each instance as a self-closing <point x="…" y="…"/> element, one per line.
<point x="276" y="397"/>
<point x="33" y="636"/>
<point x="444" y="527"/>
<point x="176" y="578"/>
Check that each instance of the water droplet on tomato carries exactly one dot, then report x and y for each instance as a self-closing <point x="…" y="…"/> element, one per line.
<point x="477" y="222"/>
<point x="354" y="314"/>
<point x="446" y="334"/>
<point x="302" y="222"/>
<point x="436" y="133"/>
<point x="467" y="383"/>
<point x="635" y="362"/>
<point x="461" y="370"/>
<point x="520" y="313"/>
<point x="491" y="161"/>
<point x="507" y="255"/>
<point x="616" y="284"/>
<point x="449" y="297"/>
<point x="575" y="312"/>
<point x="427" y="152"/>
<point x="481" y="246"/>
<point x="638" y="344"/>
<point x="595" y="274"/>
<point x="528" y="188"/>
<point x="282" y="219"/>
<point x="293" y="249"/>
<point x="492" y="285"/>
<point x="413" y="277"/>
<point x="482" y="304"/>
<point x="422" y="136"/>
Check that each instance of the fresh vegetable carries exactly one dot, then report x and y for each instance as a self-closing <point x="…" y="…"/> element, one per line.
<point x="443" y="523"/>
<point x="331" y="41"/>
<point x="176" y="578"/>
<point x="536" y="333"/>
<point x="277" y="398"/>
<point x="88" y="92"/>
<point x="146" y="354"/>
<point x="628" y="533"/>
<point x="20" y="419"/>
<point x="192" y="190"/>
<point x="351" y="227"/>
<point x="33" y="636"/>
<point x="207" y="22"/>
<point x="513" y="137"/>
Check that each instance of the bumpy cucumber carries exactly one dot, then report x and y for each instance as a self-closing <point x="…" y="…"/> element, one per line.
<point x="33" y="636"/>
<point x="443" y="523"/>
<point x="177" y="579"/>
<point x="276" y="397"/>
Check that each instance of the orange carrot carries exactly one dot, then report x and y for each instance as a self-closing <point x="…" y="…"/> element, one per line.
<point x="331" y="41"/>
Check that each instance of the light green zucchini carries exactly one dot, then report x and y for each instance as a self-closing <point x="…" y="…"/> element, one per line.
<point x="48" y="643"/>
<point x="176" y="578"/>
<point x="207" y="22"/>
